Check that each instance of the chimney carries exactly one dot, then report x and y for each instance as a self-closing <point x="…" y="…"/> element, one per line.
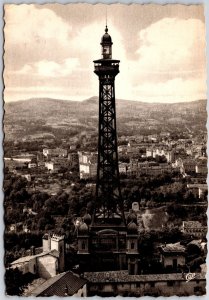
<point x="32" y="250"/>
<point x="46" y="241"/>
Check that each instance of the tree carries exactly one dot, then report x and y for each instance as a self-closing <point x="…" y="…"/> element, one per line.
<point x="14" y="282"/>
<point x="189" y="197"/>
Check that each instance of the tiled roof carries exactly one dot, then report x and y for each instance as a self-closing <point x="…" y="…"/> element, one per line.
<point x="192" y="224"/>
<point x="199" y="243"/>
<point x="123" y="276"/>
<point x="196" y="243"/>
<point x="24" y="259"/>
<point x="176" y="247"/>
<point x="32" y="285"/>
<point x="54" y="253"/>
<point x="59" y="284"/>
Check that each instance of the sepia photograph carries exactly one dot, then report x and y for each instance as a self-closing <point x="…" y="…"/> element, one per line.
<point x="105" y="150"/>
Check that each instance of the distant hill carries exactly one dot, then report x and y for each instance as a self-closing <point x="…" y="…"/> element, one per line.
<point x="37" y="115"/>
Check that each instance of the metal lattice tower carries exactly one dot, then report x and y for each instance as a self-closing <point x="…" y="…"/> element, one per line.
<point x="108" y="194"/>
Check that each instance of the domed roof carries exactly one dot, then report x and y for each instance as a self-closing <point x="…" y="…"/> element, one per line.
<point x="83" y="228"/>
<point x="106" y="38"/>
<point x="132" y="217"/>
<point x="87" y="218"/>
<point x="132" y="228"/>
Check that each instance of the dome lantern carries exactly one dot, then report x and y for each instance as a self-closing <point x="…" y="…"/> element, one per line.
<point x="132" y="228"/>
<point x="106" y="44"/>
<point x="87" y="219"/>
<point x="83" y="229"/>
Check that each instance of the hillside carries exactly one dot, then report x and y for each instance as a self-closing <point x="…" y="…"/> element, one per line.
<point x="52" y="116"/>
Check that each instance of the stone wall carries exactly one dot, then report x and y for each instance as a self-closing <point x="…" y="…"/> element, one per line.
<point x="47" y="266"/>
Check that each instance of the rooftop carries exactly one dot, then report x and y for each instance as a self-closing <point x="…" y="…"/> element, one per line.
<point x="24" y="259"/>
<point x="177" y="247"/>
<point x="59" y="285"/>
<point x="123" y="276"/>
<point x="193" y="224"/>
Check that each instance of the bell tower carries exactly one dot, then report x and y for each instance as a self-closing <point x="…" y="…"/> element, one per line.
<point x="109" y="205"/>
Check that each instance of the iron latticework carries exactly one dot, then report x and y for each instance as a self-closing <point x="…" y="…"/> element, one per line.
<point x="104" y="241"/>
<point x="108" y="193"/>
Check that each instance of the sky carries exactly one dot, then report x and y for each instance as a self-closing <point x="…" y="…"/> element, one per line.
<point x="50" y="48"/>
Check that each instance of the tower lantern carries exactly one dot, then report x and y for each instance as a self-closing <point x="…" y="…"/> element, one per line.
<point x="106" y="44"/>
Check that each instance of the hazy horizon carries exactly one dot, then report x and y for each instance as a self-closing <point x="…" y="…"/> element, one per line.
<point x="117" y="99"/>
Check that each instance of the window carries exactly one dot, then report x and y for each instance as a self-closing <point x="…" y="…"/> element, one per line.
<point x="169" y="283"/>
<point x="132" y="270"/>
<point x="83" y="246"/>
<point x="197" y="289"/>
<point x="132" y="245"/>
<point x="174" y="263"/>
<point x="152" y="284"/>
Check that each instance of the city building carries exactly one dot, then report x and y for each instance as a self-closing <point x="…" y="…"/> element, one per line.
<point x="136" y="168"/>
<point x="73" y="157"/>
<point x="55" y="152"/>
<point x="120" y="283"/>
<point x="32" y="165"/>
<point x="87" y="164"/>
<point x="199" y="189"/>
<point x="189" y="165"/>
<point x="201" y="166"/>
<point x="123" y="168"/>
<point x="194" y="228"/>
<point x="52" y="166"/>
<point x="48" y="263"/>
<point x="173" y="256"/>
<point x="161" y="151"/>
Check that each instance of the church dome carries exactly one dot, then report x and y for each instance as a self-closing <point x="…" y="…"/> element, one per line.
<point x="132" y="217"/>
<point x="83" y="228"/>
<point x="132" y="228"/>
<point x="87" y="219"/>
<point x="106" y="38"/>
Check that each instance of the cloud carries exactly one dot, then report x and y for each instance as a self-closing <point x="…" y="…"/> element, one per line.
<point x="34" y="25"/>
<point x="33" y="34"/>
<point x="44" y="49"/>
<point x="175" y="90"/>
<point x="45" y="68"/>
<point x="171" y="61"/>
<point x="172" y="44"/>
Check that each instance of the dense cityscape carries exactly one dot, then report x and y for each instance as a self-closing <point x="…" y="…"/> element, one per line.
<point x="50" y="184"/>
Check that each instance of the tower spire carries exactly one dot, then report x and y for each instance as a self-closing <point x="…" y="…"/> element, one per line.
<point x="106" y="28"/>
<point x="106" y="16"/>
